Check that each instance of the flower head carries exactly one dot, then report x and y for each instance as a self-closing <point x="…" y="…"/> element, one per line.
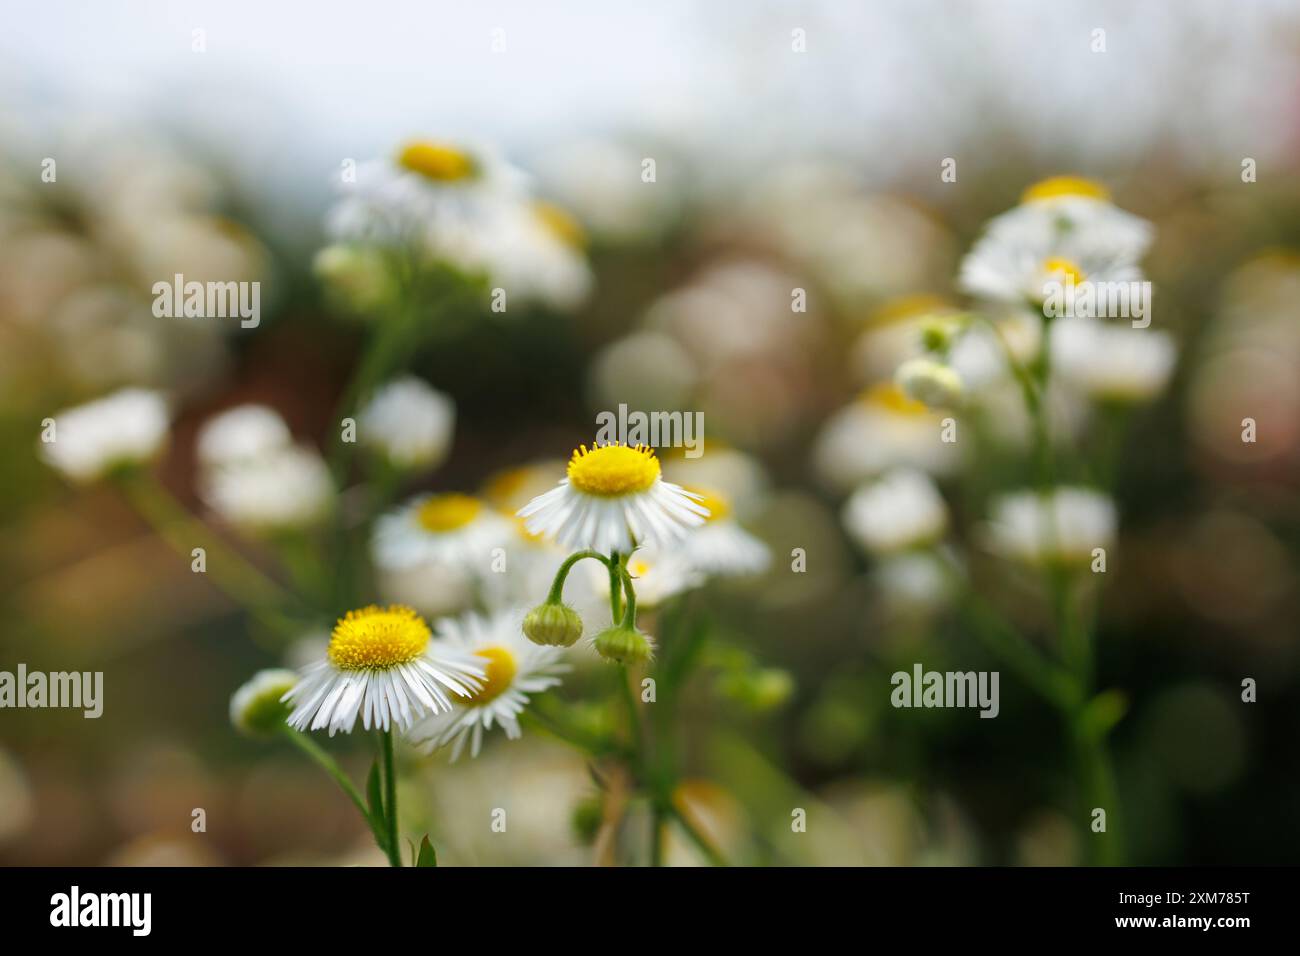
<point x="124" y="429"/>
<point x="409" y="423"/>
<point x="286" y="488"/>
<point x="240" y="434"/>
<point x="613" y="498"/>
<point x="514" y="668"/>
<point x="1062" y="526"/>
<point x="901" y="510"/>
<point x="380" y="667"/>
<point x="446" y="529"/>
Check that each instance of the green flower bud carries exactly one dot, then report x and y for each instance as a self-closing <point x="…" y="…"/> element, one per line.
<point x="929" y="382"/>
<point x="256" y="708"/>
<point x="556" y="625"/>
<point x="626" y="645"/>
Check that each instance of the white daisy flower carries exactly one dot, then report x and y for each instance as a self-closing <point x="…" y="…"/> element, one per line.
<point x="427" y="190"/>
<point x="449" y="529"/>
<point x="1111" y="362"/>
<point x="532" y="250"/>
<point x="902" y="510"/>
<point x="380" y="666"/>
<point x="240" y="434"/>
<point x="882" y="429"/>
<point x="125" y="428"/>
<point x="894" y="334"/>
<point x="1049" y="240"/>
<point x="283" y="489"/>
<point x="614" y="499"/>
<point x="1063" y="525"/>
<point x="514" y="668"/>
<point x="1078" y="205"/>
<point x="408" y="422"/>
<point x="510" y="489"/>
<point x="721" y="546"/>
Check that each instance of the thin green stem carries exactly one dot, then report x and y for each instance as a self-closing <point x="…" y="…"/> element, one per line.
<point x="328" y="764"/>
<point x="390" y="797"/>
<point x="556" y="594"/>
<point x="699" y="839"/>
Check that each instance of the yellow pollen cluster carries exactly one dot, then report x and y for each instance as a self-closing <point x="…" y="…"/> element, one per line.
<point x="374" y="638"/>
<point x="890" y="397"/>
<point x="500" y="674"/>
<point x="613" y="470"/>
<point x="719" y="506"/>
<point x="448" y="512"/>
<point x="1059" y="186"/>
<point x="560" y="224"/>
<point x="1064" y="268"/>
<point x="436" y="161"/>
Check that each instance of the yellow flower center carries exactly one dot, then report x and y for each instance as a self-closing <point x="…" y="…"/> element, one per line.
<point x="1064" y="270"/>
<point x="1059" y="186"/>
<point x="613" y="470"/>
<point x="437" y="161"/>
<point x="376" y="638"/>
<point x="500" y="674"/>
<point x="891" y="398"/>
<point x="718" y="505"/>
<point x="504" y="485"/>
<point x="560" y="224"/>
<point x="448" y="512"/>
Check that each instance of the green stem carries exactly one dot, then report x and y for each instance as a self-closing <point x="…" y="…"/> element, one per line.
<point x="699" y="839"/>
<point x="328" y="764"/>
<point x="556" y="594"/>
<point x="657" y="819"/>
<point x="390" y="798"/>
<point x="615" y="565"/>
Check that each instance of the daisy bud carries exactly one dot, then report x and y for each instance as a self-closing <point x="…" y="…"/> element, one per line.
<point x="256" y="708"/>
<point x="624" y="644"/>
<point x="555" y="625"/>
<point x="930" y="382"/>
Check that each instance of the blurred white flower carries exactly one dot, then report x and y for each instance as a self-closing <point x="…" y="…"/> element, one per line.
<point x="257" y="707"/>
<point x="240" y="434"/>
<point x="901" y="510"/>
<point x="1081" y="206"/>
<point x="282" y="490"/>
<point x="125" y="428"/>
<point x="1066" y="230"/>
<point x="600" y="180"/>
<point x="428" y="190"/>
<point x="515" y="668"/>
<point x="450" y="529"/>
<point x="657" y="574"/>
<point x="645" y="369"/>
<point x="881" y="429"/>
<point x="1111" y="362"/>
<point x="722" y="547"/>
<point x="534" y="251"/>
<point x="409" y="422"/>
<point x="732" y="473"/>
<point x="1062" y="525"/>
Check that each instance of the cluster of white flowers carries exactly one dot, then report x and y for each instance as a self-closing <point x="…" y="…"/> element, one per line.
<point x="254" y="477"/>
<point x="463" y="208"/>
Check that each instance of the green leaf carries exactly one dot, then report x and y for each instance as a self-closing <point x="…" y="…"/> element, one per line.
<point x="427" y="855"/>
